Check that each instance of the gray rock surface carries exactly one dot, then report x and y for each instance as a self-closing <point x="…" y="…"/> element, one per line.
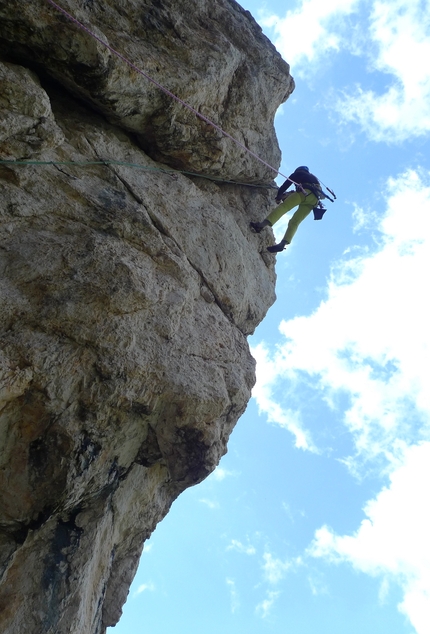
<point x="126" y="293"/>
<point x="27" y="125"/>
<point x="209" y="53"/>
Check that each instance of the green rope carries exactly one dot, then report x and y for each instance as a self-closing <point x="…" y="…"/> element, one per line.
<point x="169" y="172"/>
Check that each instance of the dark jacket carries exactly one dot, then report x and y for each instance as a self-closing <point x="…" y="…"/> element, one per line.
<point x="299" y="176"/>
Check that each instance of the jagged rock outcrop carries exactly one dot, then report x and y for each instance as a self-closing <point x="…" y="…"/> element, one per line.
<point x="126" y="294"/>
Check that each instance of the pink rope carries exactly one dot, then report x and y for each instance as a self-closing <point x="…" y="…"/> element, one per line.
<point x="165" y="90"/>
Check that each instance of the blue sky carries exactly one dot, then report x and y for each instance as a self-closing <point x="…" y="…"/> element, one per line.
<point x="316" y="520"/>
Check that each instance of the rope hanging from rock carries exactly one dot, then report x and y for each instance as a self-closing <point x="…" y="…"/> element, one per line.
<point x="170" y="172"/>
<point x="161" y="87"/>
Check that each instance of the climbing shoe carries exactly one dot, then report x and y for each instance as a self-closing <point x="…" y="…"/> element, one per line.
<point x="259" y="226"/>
<point x="278" y="247"/>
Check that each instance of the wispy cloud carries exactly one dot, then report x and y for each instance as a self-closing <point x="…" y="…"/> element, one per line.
<point x="221" y="474"/>
<point x="209" y="503"/>
<point x="274" y="572"/>
<point x="369" y="341"/>
<point x="274" y="569"/>
<point x="306" y="33"/>
<point x="365" y="351"/>
<point x="394" y="43"/>
<point x="234" y="596"/>
<point x="265" y="607"/>
<point x="147" y="548"/>
<point x="317" y="584"/>
<point x="143" y="588"/>
<point x="247" y="549"/>
<point x="267" y="376"/>
<point x="399" y="42"/>
<point x="392" y="542"/>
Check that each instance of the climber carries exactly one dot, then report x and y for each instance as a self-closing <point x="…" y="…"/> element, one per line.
<point x="307" y="196"/>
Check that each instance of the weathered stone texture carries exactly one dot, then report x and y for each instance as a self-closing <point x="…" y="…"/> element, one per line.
<point x="126" y="294"/>
<point x="27" y="125"/>
<point x="209" y="53"/>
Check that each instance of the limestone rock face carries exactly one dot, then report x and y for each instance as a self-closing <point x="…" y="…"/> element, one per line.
<point x="126" y="293"/>
<point x="209" y="53"/>
<point x="27" y="125"/>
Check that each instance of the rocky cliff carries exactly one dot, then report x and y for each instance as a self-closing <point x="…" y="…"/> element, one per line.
<point x="127" y="292"/>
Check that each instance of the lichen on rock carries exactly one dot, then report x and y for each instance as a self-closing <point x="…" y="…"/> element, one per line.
<point x="127" y="293"/>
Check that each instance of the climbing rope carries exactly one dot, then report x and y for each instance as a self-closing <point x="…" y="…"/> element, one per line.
<point x="170" y="172"/>
<point x="160" y="86"/>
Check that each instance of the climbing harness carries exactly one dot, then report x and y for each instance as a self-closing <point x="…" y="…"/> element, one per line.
<point x="319" y="209"/>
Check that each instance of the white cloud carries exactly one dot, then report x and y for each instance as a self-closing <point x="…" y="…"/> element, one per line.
<point x="265" y="607"/>
<point x="369" y="341"/>
<point x="317" y="584"/>
<point x="392" y="542"/>
<point x="234" y="596"/>
<point x="267" y="375"/>
<point x="209" y="503"/>
<point x="220" y="474"/>
<point x="247" y="549"/>
<point x="398" y="46"/>
<point x="274" y="569"/>
<point x="280" y="111"/>
<point x="304" y="34"/>
<point x="393" y="39"/>
<point x="288" y="511"/>
<point x="143" y="587"/>
<point x="147" y="548"/>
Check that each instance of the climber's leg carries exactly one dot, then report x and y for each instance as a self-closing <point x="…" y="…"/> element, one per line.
<point x="292" y="200"/>
<point x="301" y="213"/>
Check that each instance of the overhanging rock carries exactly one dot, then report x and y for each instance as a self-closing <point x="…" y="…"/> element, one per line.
<point x="127" y="294"/>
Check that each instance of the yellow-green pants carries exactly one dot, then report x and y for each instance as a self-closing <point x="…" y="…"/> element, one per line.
<point x="306" y="203"/>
